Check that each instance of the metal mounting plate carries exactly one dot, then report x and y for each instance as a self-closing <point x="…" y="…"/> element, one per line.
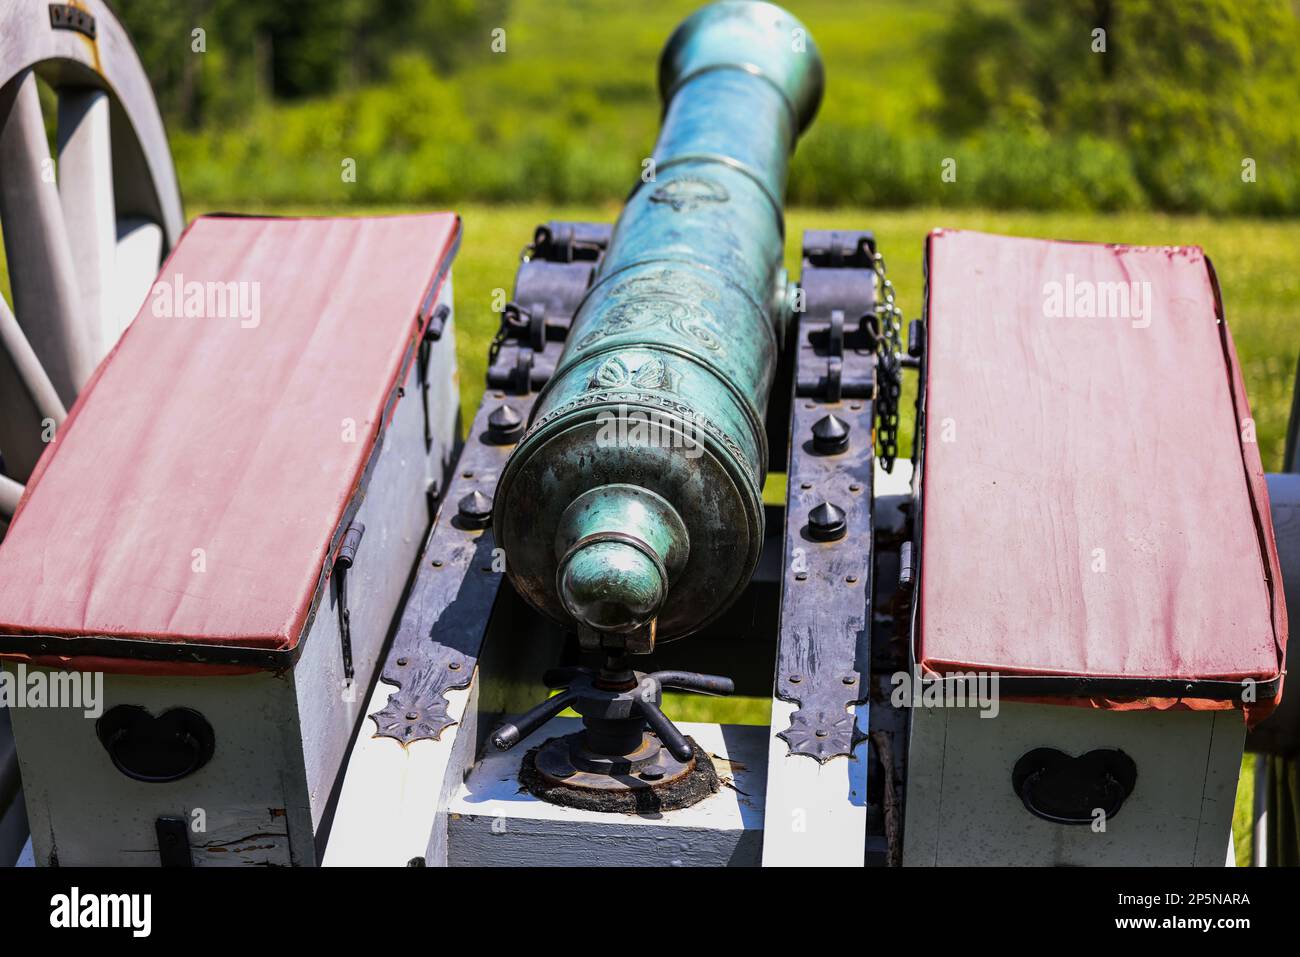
<point x="823" y="659"/>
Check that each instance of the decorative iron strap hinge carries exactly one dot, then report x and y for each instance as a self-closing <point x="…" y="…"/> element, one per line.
<point x="823" y="658"/>
<point x="555" y="272"/>
<point x="823" y="655"/>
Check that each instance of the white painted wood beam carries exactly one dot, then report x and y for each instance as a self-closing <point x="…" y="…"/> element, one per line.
<point x="393" y="805"/>
<point x="39" y="387"/>
<point x="816" y="814"/>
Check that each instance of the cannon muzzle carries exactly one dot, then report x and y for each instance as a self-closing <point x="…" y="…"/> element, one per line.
<point x="632" y="507"/>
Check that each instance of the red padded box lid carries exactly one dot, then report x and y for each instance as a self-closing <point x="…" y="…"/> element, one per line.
<point x="1092" y="501"/>
<point x="223" y="433"/>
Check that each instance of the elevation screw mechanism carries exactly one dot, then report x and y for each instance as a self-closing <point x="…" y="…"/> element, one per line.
<point x="505" y="425"/>
<point x="629" y="756"/>
<point x="826" y="523"/>
<point x="474" y="510"/>
<point x="619" y="707"/>
<point x="830" y="435"/>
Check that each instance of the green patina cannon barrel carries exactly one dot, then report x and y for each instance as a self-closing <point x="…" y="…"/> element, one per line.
<point x="632" y="507"/>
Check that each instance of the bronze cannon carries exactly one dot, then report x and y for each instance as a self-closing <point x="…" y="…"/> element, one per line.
<point x="632" y="507"/>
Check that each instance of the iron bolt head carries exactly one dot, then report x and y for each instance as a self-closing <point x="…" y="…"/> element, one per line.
<point x="826" y="523"/>
<point x="830" y="435"/>
<point x="475" y="510"/>
<point x="504" y="425"/>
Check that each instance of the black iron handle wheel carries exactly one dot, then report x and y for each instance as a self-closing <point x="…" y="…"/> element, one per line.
<point x="672" y="738"/>
<point x="693" y="681"/>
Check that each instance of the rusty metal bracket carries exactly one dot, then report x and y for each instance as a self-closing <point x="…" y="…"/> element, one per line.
<point x="446" y="613"/>
<point x="173" y="842"/>
<point x="347" y="554"/>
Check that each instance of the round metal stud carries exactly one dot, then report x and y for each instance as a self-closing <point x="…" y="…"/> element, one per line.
<point x="826" y="523"/>
<point x="830" y="435"/>
<point x="505" y="425"/>
<point x="474" y="510"/>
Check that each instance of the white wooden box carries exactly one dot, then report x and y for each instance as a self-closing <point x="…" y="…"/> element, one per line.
<point x="1094" y="554"/>
<point x="962" y="807"/>
<point x="281" y="710"/>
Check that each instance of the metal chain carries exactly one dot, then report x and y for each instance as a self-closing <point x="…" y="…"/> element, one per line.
<point x="503" y="331"/>
<point x="507" y="324"/>
<point x="889" y="380"/>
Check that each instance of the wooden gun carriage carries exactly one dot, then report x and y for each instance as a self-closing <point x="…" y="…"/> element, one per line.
<point x="330" y="631"/>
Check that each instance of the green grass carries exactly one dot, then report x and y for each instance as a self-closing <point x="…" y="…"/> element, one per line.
<point x="1243" y="832"/>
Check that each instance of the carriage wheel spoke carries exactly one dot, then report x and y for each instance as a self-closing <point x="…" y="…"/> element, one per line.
<point x="30" y="408"/>
<point x="39" y="387"/>
<point x="39" y="256"/>
<point x="10" y="493"/>
<point x="86" y="196"/>
<point x="139" y="250"/>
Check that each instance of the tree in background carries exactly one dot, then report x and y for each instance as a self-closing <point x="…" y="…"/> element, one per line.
<point x="253" y="51"/>
<point x="1192" y="89"/>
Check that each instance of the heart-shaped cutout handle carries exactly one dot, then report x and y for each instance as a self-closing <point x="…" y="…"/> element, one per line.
<point x="159" y="749"/>
<point x="1074" y="790"/>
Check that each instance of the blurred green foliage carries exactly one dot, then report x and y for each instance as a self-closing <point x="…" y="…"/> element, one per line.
<point x="1190" y="89"/>
<point x="1011" y="90"/>
<point x="210" y="61"/>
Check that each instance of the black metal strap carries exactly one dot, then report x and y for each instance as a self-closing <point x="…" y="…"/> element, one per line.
<point x="823" y="658"/>
<point x="343" y="561"/>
